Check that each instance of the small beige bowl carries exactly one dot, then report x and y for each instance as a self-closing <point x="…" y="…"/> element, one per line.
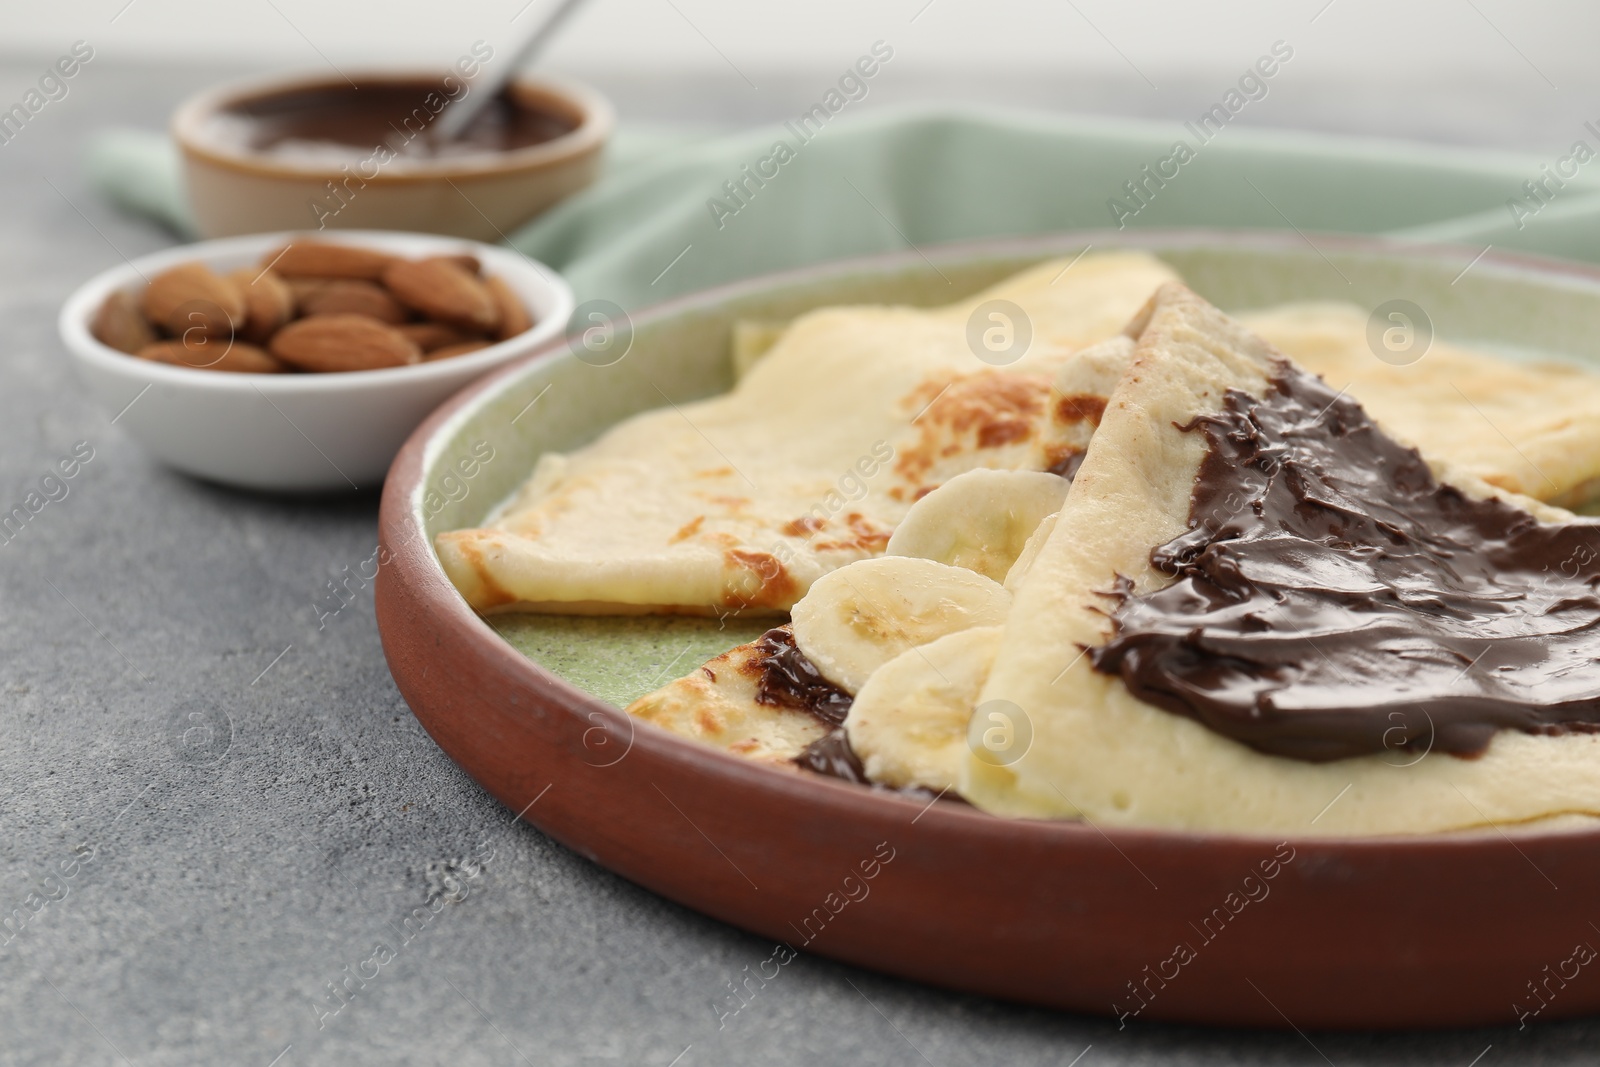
<point x="233" y="190"/>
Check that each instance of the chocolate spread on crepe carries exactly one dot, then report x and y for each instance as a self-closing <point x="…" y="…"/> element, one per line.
<point x="832" y="755"/>
<point x="1334" y="599"/>
<point x="788" y="679"/>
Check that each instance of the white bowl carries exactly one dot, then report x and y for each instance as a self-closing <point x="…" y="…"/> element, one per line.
<point x="292" y="431"/>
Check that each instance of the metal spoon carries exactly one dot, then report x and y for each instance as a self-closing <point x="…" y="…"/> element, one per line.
<point x="459" y="113"/>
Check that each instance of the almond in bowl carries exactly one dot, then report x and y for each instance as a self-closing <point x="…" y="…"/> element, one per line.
<point x="295" y="362"/>
<point x="316" y="307"/>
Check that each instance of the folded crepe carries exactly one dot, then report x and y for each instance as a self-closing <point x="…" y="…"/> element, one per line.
<point x="741" y="502"/>
<point x="911" y="701"/>
<point x="843" y="419"/>
<point x="1527" y="427"/>
<point x="1063" y="667"/>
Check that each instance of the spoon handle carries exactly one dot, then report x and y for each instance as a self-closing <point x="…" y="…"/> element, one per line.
<point x="459" y="113"/>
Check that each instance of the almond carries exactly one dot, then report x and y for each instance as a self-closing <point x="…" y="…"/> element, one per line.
<point x="466" y="262"/>
<point x="268" y="303"/>
<point x="351" y="297"/>
<point x="213" y="354"/>
<point x="460" y="349"/>
<point x="514" y="316"/>
<point x="315" y="259"/>
<point x="430" y="335"/>
<point x="303" y="288"/>
<point x="119" y="324"/>
<point x="444" y="291"/>
<point x="193" y="298"/>
<point x="343" y="343"/>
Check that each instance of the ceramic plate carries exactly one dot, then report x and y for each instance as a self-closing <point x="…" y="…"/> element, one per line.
<point x="1442" y="930"/>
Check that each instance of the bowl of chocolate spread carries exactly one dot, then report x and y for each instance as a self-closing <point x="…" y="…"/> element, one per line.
<point x="326" y="152"/>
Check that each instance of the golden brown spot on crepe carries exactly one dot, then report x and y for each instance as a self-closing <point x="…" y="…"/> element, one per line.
<point x="687" y="530"/>
<point x="709" y="673"/>
<point x="869" y="537"/>
<point x="989" y="408"/>
<point x="705" y="721"/>
<point x="777" y="589"/>
<point x="868" y="532"/>
<point x="1080" y="408"/>
<point x="715" y="472"/>
<point x="749" y="744"/>
<point x="965" y="401"/>
<point x="804" y="527"/>
<point x="752" y="666"/>
<point x="494" y="594"/>
<point x="1009" y="431"/>
<point x="924" y="491"/>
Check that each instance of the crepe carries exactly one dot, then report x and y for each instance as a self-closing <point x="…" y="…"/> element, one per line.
<point x="886" y="631"/>
<point x="1100" y="753"/>
<point x="856" y="432"/>
<point x="760" y="700"/>
<point x="717" y="704"/>
<point x="844" y="418"/>
<point x="740" y="502"/>
<point x="1528" y="428"/>
<point x="753" y="339"/>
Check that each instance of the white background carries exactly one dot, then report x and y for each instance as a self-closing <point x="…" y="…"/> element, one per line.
<point x="1509" y="72"/>
<point x="1387" y="40"/>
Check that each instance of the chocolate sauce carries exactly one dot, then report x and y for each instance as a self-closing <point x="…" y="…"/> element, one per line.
<point x="352" y="123"/>
<point x="1333" y="599"/>
<point x="789" y="680"/>
<point x="832" y="755"/>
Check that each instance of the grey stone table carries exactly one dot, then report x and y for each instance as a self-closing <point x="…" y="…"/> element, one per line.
<point x="212" y="811"/>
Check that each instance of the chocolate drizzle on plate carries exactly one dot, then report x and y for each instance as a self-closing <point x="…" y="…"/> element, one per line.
<point x="1334" y="599"/>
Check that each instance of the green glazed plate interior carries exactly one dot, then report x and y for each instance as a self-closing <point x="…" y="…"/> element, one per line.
<point x="682" y="353"/>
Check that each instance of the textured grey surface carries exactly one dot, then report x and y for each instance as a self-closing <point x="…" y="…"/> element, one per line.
<point x="248" y="807"/>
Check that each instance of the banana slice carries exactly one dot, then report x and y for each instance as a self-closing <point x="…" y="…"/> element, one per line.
<point x="1030" y="552"/>
<point x="857" y="618"/>
<point x="909" y="722"/>
<point x="979" y="520"/>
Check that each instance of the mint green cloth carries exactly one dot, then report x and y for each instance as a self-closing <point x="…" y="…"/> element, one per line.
<point x="649" y="229"/>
